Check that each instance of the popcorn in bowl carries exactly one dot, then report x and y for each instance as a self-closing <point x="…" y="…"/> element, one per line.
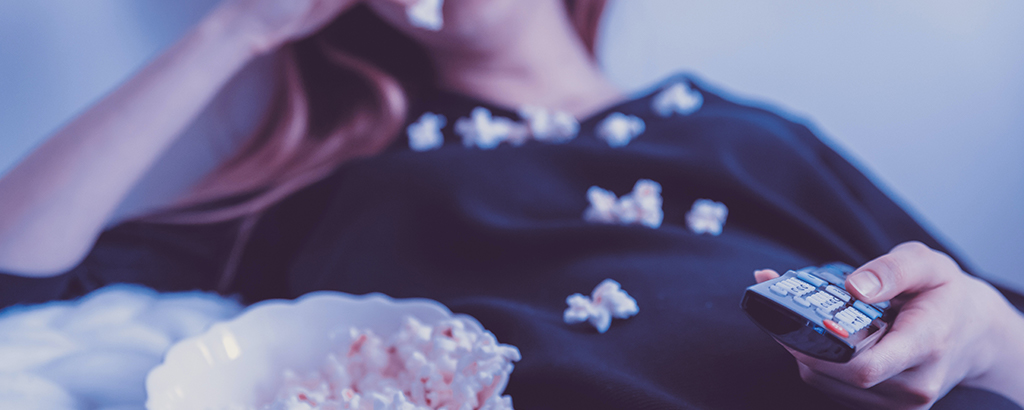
<point x="448" y="366"/>
<point x="330" y="350"/>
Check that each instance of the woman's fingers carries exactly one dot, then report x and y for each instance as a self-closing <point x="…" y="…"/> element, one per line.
<point x="319" y="15"/>
<point x="838" y="390"/>
<point x="949" y="329"/>
<point x="273" y="23"/>
<point x="894" y="354"/>
<point x="909" y="344"/>
<point x="909" y="390"/>
<point x="933" y="343"/>
<point x="901" y="349"/>
<point x="765" y="275"/>
<point x="909" y="268"/>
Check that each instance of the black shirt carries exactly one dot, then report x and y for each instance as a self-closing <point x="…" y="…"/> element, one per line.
<point x="499" y="234"/>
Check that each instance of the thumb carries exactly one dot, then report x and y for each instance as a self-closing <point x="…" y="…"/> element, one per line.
<point x="908" y="268"/>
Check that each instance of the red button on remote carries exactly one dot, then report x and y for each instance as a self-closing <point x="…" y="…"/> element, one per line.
<point x="835" y="328"/>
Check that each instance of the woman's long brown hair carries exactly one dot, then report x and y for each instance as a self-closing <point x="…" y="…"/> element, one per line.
<point x="343" y="94"/>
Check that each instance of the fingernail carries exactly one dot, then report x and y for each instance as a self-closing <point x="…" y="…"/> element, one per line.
<point x="866" y="283"/>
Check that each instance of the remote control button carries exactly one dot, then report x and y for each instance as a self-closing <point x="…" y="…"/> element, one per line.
<point x="839" y="293"/>
<point x="809" y="278"/>
<point x="882" y="305"/>
<point x="778" y="290"/>
<point x="801" y="301"/>
<point x="867" y="310"/>
<point x="852" y="319"/>
<point x="850" y="327"/>
<point x="795" y="286"/>
<point x="825" y="301"/>
<point x="835" y="328"/>
<point x="825" y="313"/>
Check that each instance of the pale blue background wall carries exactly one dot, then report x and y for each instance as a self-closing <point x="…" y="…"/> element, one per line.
<point x="926" y="95"/>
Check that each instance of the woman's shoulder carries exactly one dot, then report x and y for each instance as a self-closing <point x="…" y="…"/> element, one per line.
<point x="712" y="95"/>
<point x="686" y="105"/>
<point x="684" y="94"/>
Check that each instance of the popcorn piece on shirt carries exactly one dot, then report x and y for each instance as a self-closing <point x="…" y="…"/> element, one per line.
<point x="619" y="129"/>
<point x="602" y="206"/>
<point x="679" y="98"/>
<point x="518" y="133"/>
<point x="642" y="206"/>
<point x="582" y="309"/>
<point x="707" y="216"/>
<point x="426" y="14"/>
<point x="425" y="133"/>
<point x="647" y="195"/>
<point x="487" y="132"/>
<point x="607" y="301"/>
<point x="550" y="126"/>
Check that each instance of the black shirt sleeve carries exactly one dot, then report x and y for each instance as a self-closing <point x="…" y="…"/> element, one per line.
<point x="183" y="257"/>
<point x="161" y="256"/>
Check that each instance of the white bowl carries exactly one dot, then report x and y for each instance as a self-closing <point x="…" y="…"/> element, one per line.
<point x="241" y="362"/>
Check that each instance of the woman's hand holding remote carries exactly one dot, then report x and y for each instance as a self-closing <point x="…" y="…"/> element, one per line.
<point x="951" y="328"/>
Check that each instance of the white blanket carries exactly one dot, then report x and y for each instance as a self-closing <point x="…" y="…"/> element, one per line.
<point x="94" y="353"/>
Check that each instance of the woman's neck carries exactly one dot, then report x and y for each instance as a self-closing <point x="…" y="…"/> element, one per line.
<point x="543" y="64"/>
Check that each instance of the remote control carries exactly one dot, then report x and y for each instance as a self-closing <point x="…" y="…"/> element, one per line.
<point x="810" y="311"/>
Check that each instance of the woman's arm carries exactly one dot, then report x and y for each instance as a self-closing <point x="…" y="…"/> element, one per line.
<point x="54" y="204"/>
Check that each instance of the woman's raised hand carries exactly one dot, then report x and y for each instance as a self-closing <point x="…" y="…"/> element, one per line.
<point x="951" y="328"/>
<point x="273" y="23"/>
<point x="55" y="203"/>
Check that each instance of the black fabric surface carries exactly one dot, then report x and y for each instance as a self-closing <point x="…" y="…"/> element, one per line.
<point x="499" y="234"/>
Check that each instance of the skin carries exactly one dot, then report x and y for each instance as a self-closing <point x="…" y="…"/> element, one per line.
<point x="511" y="53"/>
<point x="55" y="203"/>
<point x="952" y="328"/>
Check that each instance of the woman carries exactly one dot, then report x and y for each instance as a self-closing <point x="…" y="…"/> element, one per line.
<point x="326" y="197"/>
